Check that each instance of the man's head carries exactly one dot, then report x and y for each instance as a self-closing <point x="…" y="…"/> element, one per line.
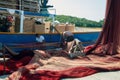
<point x="68" y="36"/>
<point x="37" y="35"/>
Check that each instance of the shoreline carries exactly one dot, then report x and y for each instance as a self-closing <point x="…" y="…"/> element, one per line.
<point x="82" y="29"/>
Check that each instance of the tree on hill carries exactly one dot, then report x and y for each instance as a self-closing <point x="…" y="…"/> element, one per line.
<point x="79" y="22"/>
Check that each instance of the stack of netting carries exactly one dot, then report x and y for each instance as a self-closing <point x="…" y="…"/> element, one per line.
<point x="12" y="4"/>
<point x="26" y="5"/>
<point x="30" y="5"/>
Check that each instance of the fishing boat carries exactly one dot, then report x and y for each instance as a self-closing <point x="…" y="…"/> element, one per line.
<point x="24" y="32"/>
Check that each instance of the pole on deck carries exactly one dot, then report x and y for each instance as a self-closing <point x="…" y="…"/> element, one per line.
<point x="21" y="21"/>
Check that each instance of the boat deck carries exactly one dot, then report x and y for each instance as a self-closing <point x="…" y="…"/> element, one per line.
<point x="100" y="76"/>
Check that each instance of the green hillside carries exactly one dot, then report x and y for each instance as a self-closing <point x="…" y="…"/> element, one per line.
<point x="79" y="22"/>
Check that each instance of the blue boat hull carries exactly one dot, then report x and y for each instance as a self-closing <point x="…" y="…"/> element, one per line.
<point x="29" y="38"/>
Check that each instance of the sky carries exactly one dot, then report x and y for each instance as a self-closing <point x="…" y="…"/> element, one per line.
<point x="89" y="9"/>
